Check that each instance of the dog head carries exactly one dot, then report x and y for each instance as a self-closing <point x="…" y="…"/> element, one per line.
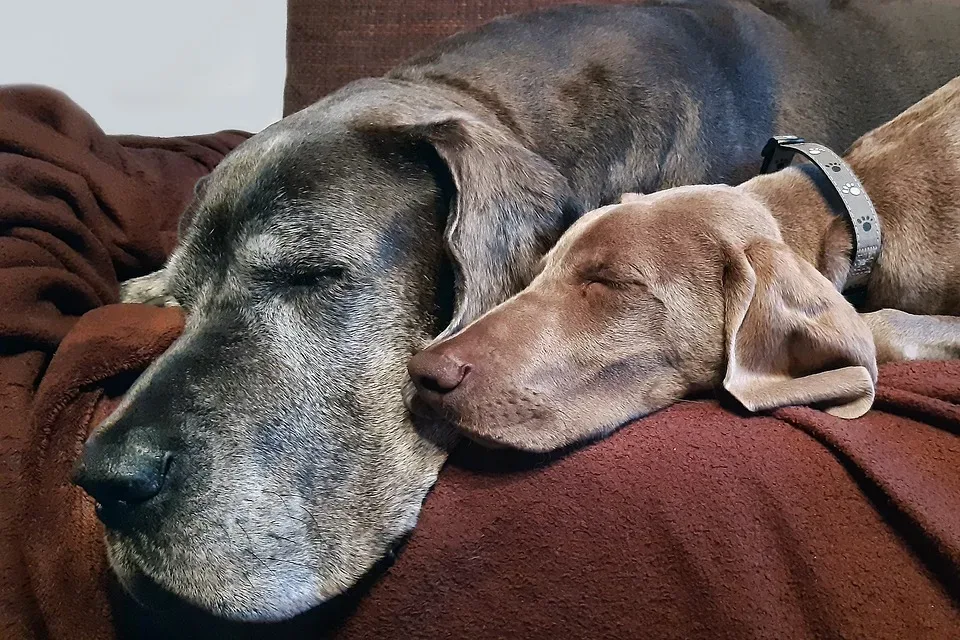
<point x="267" y="461"/>
<point x="640" y="304"/>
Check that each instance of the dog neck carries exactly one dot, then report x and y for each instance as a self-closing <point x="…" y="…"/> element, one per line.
<point x="811" y="217"/>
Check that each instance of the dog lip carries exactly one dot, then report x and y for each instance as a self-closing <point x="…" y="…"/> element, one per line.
<point x="431" y="397"/>
<point x="146" y="591"/>
<point x="426" y="404"/>
<point x="113" y="514"/>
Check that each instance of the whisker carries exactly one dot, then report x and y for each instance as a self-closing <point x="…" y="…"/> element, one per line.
<point x="246" y="575"/>
<point x="299" y="564"/>
<point x="252" y="552"/>
<point x="287" y="507"/>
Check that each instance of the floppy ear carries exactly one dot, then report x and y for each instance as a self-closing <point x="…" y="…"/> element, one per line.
<point x="791" y="337"/>
<point x="510" y="207"/>
<point x="188" y="214"/>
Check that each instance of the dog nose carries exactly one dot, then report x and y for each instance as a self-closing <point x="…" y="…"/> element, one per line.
<point x="437" y="372"/>
<point x="121" y="473"/>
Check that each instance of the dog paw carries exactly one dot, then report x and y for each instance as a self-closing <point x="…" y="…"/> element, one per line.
<point x="149" y="289"/>
<point x="851" y="189"/>
<point x="833" y="166"/>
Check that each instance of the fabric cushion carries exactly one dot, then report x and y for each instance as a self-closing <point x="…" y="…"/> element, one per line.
<point x="334" y="42"/>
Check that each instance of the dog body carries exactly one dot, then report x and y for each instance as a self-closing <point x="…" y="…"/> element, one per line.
<point x="267" y="461"/>
<point x="631" y="312"/>
<point x="911" y="169"/>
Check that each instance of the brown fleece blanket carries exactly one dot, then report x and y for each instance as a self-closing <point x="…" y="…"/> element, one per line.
<point x="696" y="522"/>
<point x="78" y="211"/>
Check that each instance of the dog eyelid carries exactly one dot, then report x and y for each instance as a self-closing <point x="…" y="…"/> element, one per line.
<point x="304" y="275"/>
<point x="610" y="279"/>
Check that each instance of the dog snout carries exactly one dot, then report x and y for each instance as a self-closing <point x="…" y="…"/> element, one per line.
<point x="122" y="471"/>
<point x="437" y="373"/>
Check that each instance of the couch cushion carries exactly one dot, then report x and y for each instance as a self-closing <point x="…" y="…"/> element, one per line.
<point x="334" y="42"/>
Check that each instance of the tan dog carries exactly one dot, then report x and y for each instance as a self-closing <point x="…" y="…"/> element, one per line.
<point x="663" y="295"/>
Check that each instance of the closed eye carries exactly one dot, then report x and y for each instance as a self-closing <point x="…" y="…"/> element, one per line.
<point x="610" y="280"/>
<point x="606" y="282"/>
<point x="315" y="277"/>
<point x="303" y="276"/>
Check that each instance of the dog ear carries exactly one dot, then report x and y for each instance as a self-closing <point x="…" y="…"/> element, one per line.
<point x="510" y="207"/>
<point x="791" y="337"/>
<point x="190" y="212"/>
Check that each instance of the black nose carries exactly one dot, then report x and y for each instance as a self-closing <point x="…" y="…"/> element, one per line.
<point x="437" y="372"/>
<point x="121" y="473"/>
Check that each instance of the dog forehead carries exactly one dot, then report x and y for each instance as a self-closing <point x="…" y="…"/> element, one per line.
<point x="610" y="229"/>
<point x="586" y="232"/>
<point x="643" y="233"/>
<point x="285" y="191"/>
<point x="718" y="210"/>
<point x="694" y="202"/>
<point x="246" y="163"/>
<point x="249" y="185"/>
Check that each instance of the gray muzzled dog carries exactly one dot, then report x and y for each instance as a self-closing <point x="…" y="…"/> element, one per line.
<point x="267" y="461"/>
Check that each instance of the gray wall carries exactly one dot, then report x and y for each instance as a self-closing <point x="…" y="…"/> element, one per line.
<point x="161" y="67"/>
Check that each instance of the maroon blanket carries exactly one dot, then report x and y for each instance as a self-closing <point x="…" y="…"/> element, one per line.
<point x="78" y="210"/>
<point x="696" y="522"/>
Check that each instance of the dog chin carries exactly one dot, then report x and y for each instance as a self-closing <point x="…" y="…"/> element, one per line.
<point x="528" y="437"/>
<point x="254" y="607"/>
<point x="557" y="433"/>
<point x="486" y="441"/>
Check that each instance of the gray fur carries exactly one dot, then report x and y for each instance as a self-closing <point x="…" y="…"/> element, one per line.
<point x="150" y="289"/>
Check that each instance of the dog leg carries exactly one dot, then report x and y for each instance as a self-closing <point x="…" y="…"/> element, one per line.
<point x="149" y="289"/>
<point x="903" y="336"/>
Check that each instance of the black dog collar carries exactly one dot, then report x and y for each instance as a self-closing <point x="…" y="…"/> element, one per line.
<point x="778" y="153"/>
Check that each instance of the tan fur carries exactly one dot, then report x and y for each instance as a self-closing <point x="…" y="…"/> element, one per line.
<point x="662" y="295"/>
<point x="791" y="338"/>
